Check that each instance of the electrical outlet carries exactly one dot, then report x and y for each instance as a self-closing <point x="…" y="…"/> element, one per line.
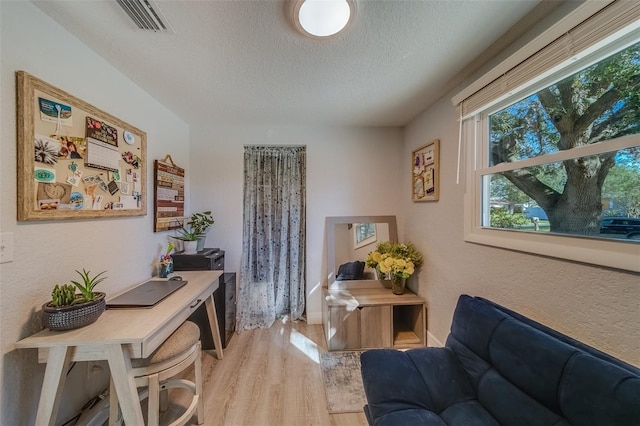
<point x="6" y="247"/>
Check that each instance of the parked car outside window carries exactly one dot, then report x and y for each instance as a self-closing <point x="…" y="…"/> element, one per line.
<point x="627" y="226"/>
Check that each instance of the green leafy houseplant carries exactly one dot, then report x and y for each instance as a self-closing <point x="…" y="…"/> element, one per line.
<point x="200" y="222"/>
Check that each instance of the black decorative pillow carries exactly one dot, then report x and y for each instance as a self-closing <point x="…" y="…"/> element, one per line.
<point x="351" y="271"/>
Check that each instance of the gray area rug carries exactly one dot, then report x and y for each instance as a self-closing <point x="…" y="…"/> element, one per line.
<point x="342" y="381"/>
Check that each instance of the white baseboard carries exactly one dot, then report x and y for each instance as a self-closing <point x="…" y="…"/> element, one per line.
<point x="314" y="317"/>
<point x="432" y="341"/>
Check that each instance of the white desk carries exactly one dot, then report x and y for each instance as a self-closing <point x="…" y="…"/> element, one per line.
<point x="118" y="336"/>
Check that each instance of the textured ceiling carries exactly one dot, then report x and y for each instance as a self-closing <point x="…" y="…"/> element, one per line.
<point x="242" y="62"/>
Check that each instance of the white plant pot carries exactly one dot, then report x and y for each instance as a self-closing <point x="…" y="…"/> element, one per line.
<point x="190" y="247"/>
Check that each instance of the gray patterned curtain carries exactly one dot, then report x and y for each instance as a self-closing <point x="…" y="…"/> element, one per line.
<point x="272" y="276"/>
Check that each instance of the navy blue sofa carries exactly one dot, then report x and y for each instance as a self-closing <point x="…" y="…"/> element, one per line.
<point x="499" y="368"/>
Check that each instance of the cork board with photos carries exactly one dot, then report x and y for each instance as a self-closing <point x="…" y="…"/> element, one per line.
<point x="75" y="161"/>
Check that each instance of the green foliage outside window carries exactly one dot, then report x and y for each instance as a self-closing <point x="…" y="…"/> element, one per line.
<point x="501" y="218"/>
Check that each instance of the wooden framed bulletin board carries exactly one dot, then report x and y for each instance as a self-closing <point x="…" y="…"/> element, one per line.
<point x="168" y="211"/>
<point x="75" y="161"/>
<point x="425" y="172"/>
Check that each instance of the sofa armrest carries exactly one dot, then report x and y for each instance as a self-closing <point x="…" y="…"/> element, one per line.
<point x="425" y="378"/>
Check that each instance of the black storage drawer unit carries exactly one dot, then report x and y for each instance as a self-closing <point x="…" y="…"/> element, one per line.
<point x="224" y="298"/>
<point x="229" y="315"/>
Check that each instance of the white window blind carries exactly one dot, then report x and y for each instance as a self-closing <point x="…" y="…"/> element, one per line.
<point x="617" y="19"/>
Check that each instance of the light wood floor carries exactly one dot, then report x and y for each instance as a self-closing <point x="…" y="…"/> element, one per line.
<point x="267" y="378"/>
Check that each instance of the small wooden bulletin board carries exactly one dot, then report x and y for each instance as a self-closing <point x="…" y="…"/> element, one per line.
<point x="75" y="161"/>
<point x="168" y="211"/>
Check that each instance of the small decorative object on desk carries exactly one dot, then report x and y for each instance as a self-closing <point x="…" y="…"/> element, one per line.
<point x="399" y="260"/>
<point x="166" y="262"/>
<point x="68" y="310"/>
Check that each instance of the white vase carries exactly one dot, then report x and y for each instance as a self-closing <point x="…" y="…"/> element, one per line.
<point x="190" y="247"/>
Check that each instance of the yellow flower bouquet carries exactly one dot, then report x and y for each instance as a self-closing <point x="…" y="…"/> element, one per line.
<point x="399" y="260"/>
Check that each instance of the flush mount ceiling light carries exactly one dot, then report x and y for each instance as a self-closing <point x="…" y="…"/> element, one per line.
<point x="323" y="18"/>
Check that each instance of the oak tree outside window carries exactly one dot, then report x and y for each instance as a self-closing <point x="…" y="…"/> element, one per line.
<point x="597" y="105"/>
<point x="553" y="146"/>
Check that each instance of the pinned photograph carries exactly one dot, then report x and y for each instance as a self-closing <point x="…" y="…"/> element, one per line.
<point x="46" y="149"/>
<point x="71" y="147"/>
<point x="48" y="204"/>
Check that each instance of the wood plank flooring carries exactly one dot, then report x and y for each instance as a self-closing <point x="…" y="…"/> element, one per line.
<point x="267" y="378"/>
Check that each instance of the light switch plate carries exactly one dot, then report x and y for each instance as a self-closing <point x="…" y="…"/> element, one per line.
<point x="6" y="247"/>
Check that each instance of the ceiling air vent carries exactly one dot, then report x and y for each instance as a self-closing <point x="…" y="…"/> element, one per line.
<point x="146" y="14"/>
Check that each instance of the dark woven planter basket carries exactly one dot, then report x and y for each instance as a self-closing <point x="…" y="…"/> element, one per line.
<point x="70" y="317"/>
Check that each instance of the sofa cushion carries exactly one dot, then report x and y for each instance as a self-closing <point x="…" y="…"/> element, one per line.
<point x="468" y="413"/>
<point x="597" y="393"/>
<point x="509" y="405"/>
<point x="426" y="378"/>
<point x="531" y="360"/>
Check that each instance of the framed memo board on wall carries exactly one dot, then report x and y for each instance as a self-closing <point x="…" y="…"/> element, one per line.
<point x="425" y="172"/>
<point x="168" y="186"/>
<point x="75" y="161"/>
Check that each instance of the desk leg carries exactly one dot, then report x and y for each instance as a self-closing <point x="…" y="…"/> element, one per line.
<point x="54" y="377"/>
<point x="122" y="375"/>
<point x="213" y="323"/>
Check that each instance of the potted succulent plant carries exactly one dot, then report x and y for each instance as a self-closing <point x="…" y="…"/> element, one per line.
<point x="200" y="223"/>
<point x="68" y="310"/>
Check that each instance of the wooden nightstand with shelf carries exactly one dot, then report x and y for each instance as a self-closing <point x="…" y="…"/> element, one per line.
<point x="364" y="318"/>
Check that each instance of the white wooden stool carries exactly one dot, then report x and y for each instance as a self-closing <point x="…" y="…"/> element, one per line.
<point x="177" y="353"/>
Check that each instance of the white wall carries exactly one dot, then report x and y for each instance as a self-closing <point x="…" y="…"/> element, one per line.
<point x="349" y="172"/>
<point x="592" y="304"/>
<point x="47" y="253"/>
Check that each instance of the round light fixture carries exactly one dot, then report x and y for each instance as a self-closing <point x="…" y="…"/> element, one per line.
<point x="323" y="18"/>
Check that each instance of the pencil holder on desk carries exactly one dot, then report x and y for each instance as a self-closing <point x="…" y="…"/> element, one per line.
<point x="166" y="266"/>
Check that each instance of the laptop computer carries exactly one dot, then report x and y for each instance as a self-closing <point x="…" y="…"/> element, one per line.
<point x="145" y="295"/>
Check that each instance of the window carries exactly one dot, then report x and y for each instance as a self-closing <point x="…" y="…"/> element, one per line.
<point x="364" y="234"/>
<point x="554" y="165"/>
